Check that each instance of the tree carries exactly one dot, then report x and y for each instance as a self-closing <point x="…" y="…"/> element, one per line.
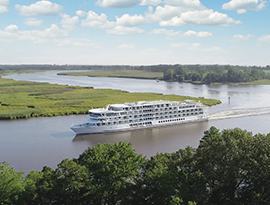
<point x="11" y="185"/>
<point x="179" y="74"/>
<point x="220" y="159"/>
<point x="112" y="170"/>
<point x="157" y="182"/>
<point x="168" y="74"/>
<point x="30" y="183"/>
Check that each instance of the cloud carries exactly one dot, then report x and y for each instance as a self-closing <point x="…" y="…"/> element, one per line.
<point x="241" y="37"/>
<point x="4" y="6"/>
<point x="122" y="30"/>
<point x="68" y="22"/>
<point x="93" y="20"/>
<point x="12" y="33"/>
<point x="33" y="22"/>
<point x="191" y="4"/>
<point x="42" y="7"/>
<point x="163" y="31"/>
<point x="117" y="3"/>
<point x="205" y="17"/>
<point x="264" y="39"/>
<point x="127" y="20"/>
<point x="150" y="2"/>
<point x="80" y="13"/>
<point x="127" y="46"/>
<point x="198" y="34"/>
<point x="243" y="5"/>
<point x="123" y="26"/>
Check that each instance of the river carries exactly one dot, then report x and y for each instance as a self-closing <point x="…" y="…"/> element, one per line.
<point x="34" y="143"/>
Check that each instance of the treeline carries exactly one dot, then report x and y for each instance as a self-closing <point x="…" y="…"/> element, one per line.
<point x="228" y="167"/>
<point x="151" y="68"/>
<point x="218" y="75"/>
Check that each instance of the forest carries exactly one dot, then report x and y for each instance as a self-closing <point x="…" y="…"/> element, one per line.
<point x="228" y="167"/>
<point x="219" y="74"/>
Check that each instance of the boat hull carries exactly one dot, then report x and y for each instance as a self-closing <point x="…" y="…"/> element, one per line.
<point x="82" y="130"/>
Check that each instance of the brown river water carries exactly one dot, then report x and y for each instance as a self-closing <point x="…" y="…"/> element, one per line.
<point x="34" y="143"/>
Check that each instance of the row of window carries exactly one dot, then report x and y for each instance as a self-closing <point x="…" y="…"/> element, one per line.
<point x="157" y="113"/>
<point x="149" y="106"/>
<point x="172" y="120"/>
<point x="140" y="124"/>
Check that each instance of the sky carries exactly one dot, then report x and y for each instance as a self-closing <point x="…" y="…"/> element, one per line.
<point x="135" y="32"/>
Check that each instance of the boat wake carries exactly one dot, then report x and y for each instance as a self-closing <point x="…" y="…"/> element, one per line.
<point x="239" y="113"/>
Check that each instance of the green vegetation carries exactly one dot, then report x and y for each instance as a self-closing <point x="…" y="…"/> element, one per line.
<point x="228" y="167"/>
<point x="199" y="74"/>
<point x="119" y="74"/>
<point x="21" y="99"/>
<point x="217" y="75"/>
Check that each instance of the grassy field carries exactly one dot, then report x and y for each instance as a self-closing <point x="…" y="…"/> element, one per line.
<point x="20" y="99"/>
<point x="119" y="74"/>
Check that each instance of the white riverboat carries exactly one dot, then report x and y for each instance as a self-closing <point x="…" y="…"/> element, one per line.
<point x="140" y="115"/>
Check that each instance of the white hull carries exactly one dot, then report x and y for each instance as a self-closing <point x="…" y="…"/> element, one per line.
<point x="80" y="129"/>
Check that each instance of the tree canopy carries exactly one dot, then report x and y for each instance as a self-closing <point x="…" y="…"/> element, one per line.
<point x="228" y="167"/>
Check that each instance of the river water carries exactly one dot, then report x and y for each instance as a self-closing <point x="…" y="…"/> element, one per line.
<point x="34" y="143"/>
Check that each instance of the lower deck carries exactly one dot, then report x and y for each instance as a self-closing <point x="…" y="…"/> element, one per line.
<point x="84" y="129"/>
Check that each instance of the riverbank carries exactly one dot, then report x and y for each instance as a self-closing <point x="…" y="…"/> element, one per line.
<point x="138" y="74"/>
<point x="23" y="99"/>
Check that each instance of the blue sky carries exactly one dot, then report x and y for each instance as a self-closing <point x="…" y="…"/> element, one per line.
<point x="135" y="32"/>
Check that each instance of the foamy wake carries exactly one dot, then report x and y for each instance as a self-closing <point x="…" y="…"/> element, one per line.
<point x="240" y="113"/>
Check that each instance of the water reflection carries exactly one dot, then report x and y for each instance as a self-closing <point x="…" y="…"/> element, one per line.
<point x="152" y="140"/>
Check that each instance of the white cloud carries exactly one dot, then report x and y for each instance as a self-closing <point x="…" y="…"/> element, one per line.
<point x="117" y="3"/>
<point x="33" y="22"/>
<point x="241" y="11"/>
<point x="93" y="20"/>
<point x="264" y="39"/>
<point x="124" y="25"/>
<point x="12" y="33"/>
<point x="191" y="4"/>
<point x="243" y="5"/>
<point x="150" y="2"/>
<point x="127" y="46"/>
<point x="198" y="34"/>
<point x="11" y="28"/>
<point x="80" y="13"/>
<point x="163" y="31"/>
<point x="163" y="13"/>
<point x="68" y="22"/>
<point x="122" y="30"/>
<point x="241" y="37"/>
<point x="127" y="20"/>
<point x="42" y="7"/>
<point x="205" y="17"/>
<point x="4" y="6"/>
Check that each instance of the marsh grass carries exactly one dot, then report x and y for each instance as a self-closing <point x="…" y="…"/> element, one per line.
<point x="119" y="74"/>
<point x="19" y="99"/>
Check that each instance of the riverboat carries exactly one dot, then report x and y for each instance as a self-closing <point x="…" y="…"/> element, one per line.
<point x="140" y="115"/>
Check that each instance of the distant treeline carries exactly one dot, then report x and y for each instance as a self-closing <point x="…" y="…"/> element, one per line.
<point x="215" y="74"/>
<point x="182" y="73"/>
<point x="228" y="167"/>
<point x="153" y="68"/>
